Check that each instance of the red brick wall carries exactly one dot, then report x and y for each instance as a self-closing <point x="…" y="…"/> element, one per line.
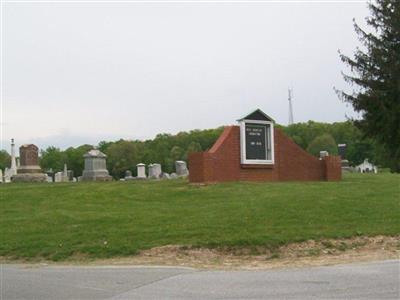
<point x="333" y="172"/>
<point x="222" y="162"/>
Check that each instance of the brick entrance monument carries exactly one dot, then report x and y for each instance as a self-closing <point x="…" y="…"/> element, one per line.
<point x="29" y="169"/>
<point x="256" y="151"/>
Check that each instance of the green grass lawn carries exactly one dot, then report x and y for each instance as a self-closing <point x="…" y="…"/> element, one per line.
<point x="55" y="221"/>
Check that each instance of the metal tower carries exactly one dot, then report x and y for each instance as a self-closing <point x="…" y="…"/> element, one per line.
<point x="290" y="91"/>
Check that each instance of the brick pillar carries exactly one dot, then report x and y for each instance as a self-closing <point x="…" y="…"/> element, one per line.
<point x="201" y="167"/>
<point x="333" y="168"/>
<point x="196" y="167"/>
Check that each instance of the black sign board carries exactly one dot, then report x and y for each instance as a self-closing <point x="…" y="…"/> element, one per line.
<point x="256" y="141"/>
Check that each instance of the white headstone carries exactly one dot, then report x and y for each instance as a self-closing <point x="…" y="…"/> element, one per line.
<point x="58" y="177"/>
<point x="157" y="170"/>
<point x="65" y="177"/>
<point x="141" y="171"/>
<point x="9" y="172"/>
<point x="7" y="175"/>
<point x="1" y="176"/>
<point x="13" y="160"/>
<point x="181" y="168"/>
<point x="322" y="154"/>
<point x="151" y="171"/>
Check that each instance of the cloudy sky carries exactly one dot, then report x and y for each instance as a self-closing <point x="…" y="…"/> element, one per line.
<point x="77" y="73"/>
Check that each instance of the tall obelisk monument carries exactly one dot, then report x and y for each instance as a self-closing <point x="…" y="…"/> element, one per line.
<point x="13" y="160"/>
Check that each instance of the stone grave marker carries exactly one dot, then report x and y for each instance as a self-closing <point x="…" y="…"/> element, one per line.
<point x="141" y="171"/>
<point x="165" y="176"/>
<point x="128" y="175"/>
<point x="65" y="177"/>
<point x="29" y="169"/>
<point x="157" y="170"/>
<point x="181" y="168"/>
<point x="151" y="171"/>
<point x="323" y="154"/>
<point x="95" y="167"/>
<point x="58" y="177"/>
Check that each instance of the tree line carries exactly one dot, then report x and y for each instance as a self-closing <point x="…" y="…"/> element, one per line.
<point x="123" y="155"/>
<point x="165" y="149"/>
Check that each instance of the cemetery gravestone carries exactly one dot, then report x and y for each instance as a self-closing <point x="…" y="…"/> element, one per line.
<point x="181" y="168"/>
<point x="50" y="174"/>
<point x="70" y="175"/>
<point x="65" y="177"/>
<point x="165" y="176"/>
<point x="152" y="172"/>
<point x="29" y="170"/>
<point x="323" y="154"/>
<point x="342" y="153"/>
<point x="9" y="172"/>
<point x="58" y="177"/>
<point x="141" y="171"/>
<point x="128" y="175"/>
<point x="13" y="159"/>
<point x="95" y="167"/>
<point x="157" y="170"/>
<point x="7" y="175"/>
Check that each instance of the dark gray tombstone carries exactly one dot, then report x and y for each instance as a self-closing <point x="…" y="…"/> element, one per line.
<point x="342" y="150"/>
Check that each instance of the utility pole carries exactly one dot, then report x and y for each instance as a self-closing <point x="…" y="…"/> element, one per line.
<point x="290" y="91"/>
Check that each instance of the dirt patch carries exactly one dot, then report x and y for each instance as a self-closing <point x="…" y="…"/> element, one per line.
<point x="324" y="252"/>
<point x="309" y="253"/>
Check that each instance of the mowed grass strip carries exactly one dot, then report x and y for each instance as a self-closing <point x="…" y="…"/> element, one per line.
<point x="99" y="220"/>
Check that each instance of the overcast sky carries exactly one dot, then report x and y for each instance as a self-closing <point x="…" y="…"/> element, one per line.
<point x="76" y="73"/>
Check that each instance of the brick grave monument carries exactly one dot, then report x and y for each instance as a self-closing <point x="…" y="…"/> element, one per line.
<point x="256" y="151"/>
<point x="29" y="169"/>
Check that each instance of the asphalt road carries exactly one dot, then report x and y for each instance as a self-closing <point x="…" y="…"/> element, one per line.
<point x="378" y="280"/>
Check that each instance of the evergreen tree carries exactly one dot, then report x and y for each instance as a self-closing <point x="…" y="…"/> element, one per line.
<point x="375" y="71"/>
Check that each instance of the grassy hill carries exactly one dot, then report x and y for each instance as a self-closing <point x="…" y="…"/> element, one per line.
<point x="55" y="221"/>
